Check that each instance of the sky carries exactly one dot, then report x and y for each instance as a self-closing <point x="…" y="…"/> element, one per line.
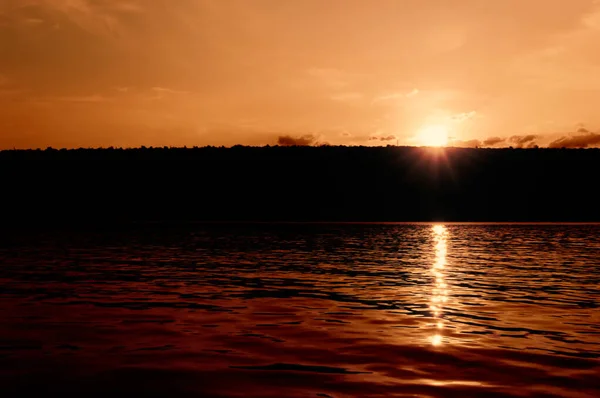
<point x="90" y="73"/>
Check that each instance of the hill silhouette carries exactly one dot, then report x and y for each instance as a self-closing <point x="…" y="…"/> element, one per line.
<point x="299" y="184"/>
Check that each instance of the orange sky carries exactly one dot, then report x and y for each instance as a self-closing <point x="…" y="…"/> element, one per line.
<point x="369" y="72"/>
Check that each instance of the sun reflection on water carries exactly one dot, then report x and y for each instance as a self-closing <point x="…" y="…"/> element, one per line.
<point x="439" y="294"/>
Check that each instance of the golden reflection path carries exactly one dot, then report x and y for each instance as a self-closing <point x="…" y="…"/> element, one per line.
<point x="439" y="294"/>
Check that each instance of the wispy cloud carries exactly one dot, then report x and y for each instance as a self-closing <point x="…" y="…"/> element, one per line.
<point x="462" y="117"/>
<point x="159" y="93"/>
<point x="165" y="90"/>
<point x="412" y="93"/>
<point x="96" y="16"/>
<point x="385" y="138"/>
<point x="33" y="21"/>
<point x="396" y="96"/>
<point x="94" y="98"/>
<point x="90" y="6"/>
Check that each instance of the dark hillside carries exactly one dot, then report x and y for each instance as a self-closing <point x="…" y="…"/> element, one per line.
<point x="300" y="184"/>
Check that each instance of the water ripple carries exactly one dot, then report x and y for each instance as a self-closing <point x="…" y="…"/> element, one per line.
<point x="303" y="310"/>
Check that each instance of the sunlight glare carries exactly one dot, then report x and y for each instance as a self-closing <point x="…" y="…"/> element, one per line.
<point x="439" y="291"/>
<point x="435" y="135"/>
<point x="439" y="229"/>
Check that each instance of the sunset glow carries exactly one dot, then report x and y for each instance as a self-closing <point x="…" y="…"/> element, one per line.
<point x="434" y="135"/>
<point x="326" y="198"/>
<point x="91" y="73"/>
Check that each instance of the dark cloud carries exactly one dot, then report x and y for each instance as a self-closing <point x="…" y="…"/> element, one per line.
<point x="577" y="141"/>
<point x="493" y="141"/>
<point x="386" y="138"/>
<point x="523" y="141"/>
<point x="304" y="140"/>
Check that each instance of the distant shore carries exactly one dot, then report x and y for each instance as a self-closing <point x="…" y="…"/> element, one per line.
<point x="298" y="184"/>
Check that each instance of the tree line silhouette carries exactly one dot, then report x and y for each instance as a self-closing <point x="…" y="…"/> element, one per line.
<point x="325" y="183"/>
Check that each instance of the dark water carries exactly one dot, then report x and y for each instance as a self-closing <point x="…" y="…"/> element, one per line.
<point x="302" y="311"/>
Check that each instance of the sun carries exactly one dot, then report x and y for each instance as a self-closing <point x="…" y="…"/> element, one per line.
<point x="433" y="135"/>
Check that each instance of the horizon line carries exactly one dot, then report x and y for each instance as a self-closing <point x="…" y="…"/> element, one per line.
<point x="185" y="147"/>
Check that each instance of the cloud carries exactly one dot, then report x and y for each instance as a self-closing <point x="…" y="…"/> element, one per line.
<point x="33" y="21"/>
<point x="461" y="117"/>
<point x="383" y="138"/>
<point x="102" y="18"/>
<point x="168" y="90"/>
<point x="159" y="93"/>
<point x="304" y="140"/>
<point x="93" y="98"/>
<point x="395" y="96"/>
<point x="88" y="15"/>
<point x="577" y="141"/>
<point x="582" y="138"/>
<point x="523" y="141"/>
<point x="493" y="141"/>
<point x="92" y="6"/>
<point x="412" y="93"/>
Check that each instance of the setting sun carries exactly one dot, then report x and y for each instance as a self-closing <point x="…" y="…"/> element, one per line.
<point x="433" y="135"/>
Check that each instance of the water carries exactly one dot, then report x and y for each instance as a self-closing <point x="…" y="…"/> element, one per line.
<point x="303" y="311"/>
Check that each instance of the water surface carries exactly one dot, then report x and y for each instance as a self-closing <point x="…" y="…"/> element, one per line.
<point x="302" y="310"/>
